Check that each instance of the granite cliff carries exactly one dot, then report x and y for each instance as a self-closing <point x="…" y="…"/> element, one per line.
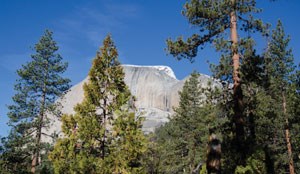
<point x="155" y="88"/>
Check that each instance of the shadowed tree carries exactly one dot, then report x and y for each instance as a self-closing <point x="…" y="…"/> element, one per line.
<point x="182" y="141"/>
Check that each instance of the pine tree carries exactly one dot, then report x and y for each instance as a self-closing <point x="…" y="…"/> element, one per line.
<point x="252" y="73"/>
<point x="214" y="19"/>
<point x="183" y="140"/>
<point x="281" y="78"/>
<point x="263" y="77"/>
<point x="268" y="80"/>
<point x="95" y="141"/>
<point x="40" y="83"/>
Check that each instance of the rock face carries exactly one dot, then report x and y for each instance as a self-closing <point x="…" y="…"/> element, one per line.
<point x="155" y="88"/>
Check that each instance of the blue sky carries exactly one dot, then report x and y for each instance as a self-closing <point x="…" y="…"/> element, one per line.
<point x="138" y="27"/>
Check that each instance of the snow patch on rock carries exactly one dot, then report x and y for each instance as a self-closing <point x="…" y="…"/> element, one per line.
<point x="162" y="68"/>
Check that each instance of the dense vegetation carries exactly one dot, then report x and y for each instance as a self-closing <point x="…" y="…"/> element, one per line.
<point x="245" y="119"/>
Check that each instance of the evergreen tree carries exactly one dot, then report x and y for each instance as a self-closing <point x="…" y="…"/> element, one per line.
<point x="252" y="73"/>
<point x="214" y="19"/>
<point x="281" y="86"/>
<point x="270" y="81"/>
<point x="183" y="140"/>
<point x="40" y="83"/>
<point x="95" y="141"/>
<point x="128" y="146"/>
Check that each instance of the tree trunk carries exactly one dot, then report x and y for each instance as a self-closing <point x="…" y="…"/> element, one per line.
<point x="287" y="136"/>
<point x="36" y="155"/>
<point x="269" y="161"/>
<point x="237" y="91"/>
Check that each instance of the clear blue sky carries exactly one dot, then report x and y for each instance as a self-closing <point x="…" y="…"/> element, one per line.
<point x="138" y="27"/>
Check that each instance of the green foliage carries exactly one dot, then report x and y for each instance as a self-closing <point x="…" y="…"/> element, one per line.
<point x="12" y="159"/>
<point x="203" y="170"/>
<point x="182" y="141"/>
<point x="254" y="165"/>
<point x="95" y="140"/>
<point x="46" y="167"/>
<point x="39" y="84"/>
<point x="266" y="80"/>
<point x="281" y="87"/>
<point x="128" y="146"/>
<point x="212" y="19"/>
<point x="152" y="157"/>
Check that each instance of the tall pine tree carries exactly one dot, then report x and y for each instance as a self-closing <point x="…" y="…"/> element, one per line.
<point x="270" y="96"/>
<point x="215" y="20"/>
<point x="40" y="83"/>
<point x="281" y="78"/>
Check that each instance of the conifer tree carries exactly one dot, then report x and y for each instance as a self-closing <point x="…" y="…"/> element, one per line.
<point x="281" y="78"/>
<point x="128" y="146"/>
<point x="182" y="141"/>
<point x="95" y="141"/>
<point x="252" y="73"/>
<point x="216" y="19"/>
<point x="268" y="80"/>
<point x="40" y="83"/>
